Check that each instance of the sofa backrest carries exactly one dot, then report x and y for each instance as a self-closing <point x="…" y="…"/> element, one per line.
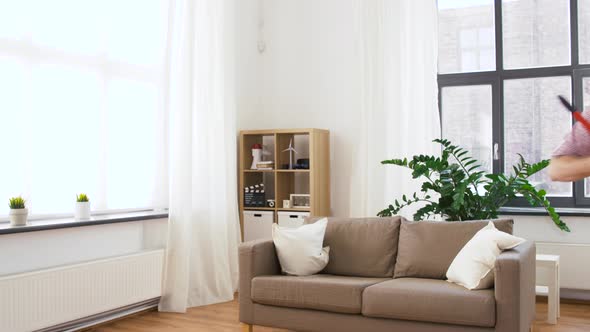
<point x="362" y="247"/>
<point x="426" y="249"/>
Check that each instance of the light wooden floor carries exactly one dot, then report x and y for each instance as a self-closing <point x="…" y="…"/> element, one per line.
<point x="224" y="317"/>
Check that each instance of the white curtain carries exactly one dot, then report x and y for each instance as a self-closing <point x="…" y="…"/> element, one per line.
<point x="397" y="43"/>
<point x="203" y="239"/>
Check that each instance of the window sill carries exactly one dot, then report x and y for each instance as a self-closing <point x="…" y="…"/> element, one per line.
<point x="539" y="211"/>
<point x="49" y="224"/>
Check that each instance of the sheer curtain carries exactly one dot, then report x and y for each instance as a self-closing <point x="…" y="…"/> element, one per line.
<point x="203" y="236"/>
<point x="81" y="108"/>
<point x="397" y="41"/>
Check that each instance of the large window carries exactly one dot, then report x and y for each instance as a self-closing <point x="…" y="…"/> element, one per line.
<point x="502" y="64"/>
<point x="81" y="103"/>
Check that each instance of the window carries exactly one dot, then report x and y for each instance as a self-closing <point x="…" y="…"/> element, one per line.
<point x="502" y="64"/>
<point x="81" y="103"/>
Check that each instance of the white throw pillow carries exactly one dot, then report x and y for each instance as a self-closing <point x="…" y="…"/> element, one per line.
<point x="473" y="268"/>
<point x="300" y="249"/>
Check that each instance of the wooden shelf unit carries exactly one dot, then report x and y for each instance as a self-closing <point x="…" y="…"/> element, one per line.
<point x="280" y="183"/>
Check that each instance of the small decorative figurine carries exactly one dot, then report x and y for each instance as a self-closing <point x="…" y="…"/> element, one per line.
<point x="256" y="155"/>
<point x="291" y="152"/>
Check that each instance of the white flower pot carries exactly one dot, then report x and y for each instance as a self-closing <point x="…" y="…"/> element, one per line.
<point x="82" y="211"/>
<point x="18" y="217"/>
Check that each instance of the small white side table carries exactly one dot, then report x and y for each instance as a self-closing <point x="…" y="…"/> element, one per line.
<point x="550" y="263"/>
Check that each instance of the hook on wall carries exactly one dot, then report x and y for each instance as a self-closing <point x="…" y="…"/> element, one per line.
<point x="261" y="45"/>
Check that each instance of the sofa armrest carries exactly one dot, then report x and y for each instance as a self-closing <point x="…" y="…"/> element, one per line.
<point x="256" y="258"/>
<point x="515" y="288"/>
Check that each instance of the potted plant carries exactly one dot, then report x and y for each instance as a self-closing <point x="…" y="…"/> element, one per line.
<point x="18" y="212"/>
<point x="82" y="207"/>
<point x="463" y="192"/>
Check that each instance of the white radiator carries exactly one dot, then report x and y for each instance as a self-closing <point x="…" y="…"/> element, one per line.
<point x="573" y="261"/>
<point x="36" y="300"/>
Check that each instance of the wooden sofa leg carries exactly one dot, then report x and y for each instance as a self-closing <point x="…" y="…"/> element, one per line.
<point x="247" y="327"/>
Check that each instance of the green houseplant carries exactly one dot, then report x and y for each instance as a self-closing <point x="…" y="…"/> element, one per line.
<point x="81" y="198"/>
<point x="463" y="191"/>
<point x="82" y="209"/>
<point x="18" y="211"/>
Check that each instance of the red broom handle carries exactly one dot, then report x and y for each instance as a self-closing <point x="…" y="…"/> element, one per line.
<point x="578" y="116"/>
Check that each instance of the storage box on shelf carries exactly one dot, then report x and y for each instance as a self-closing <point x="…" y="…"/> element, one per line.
<point x="291" y="219"/>
<point x="258" y="224"/>
<point x="283" y="173"/>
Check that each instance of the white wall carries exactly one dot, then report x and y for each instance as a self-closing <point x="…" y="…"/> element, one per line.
<point x="307" y="78"/>
<point x="248" y="63"/>
<point x="573" y="248"/>
<point x="22" y="252"/>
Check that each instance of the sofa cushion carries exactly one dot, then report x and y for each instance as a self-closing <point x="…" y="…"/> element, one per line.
<point x="319" y="292"/>
<point x="427" y="248"/>
<point x="362" y="247"/>
<point x="430" y="300"/>
<point x="300" y="249"/>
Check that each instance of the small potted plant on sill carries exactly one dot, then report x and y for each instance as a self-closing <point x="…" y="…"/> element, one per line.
<point x="18" y="212"/>
<point x="82" y="207"/>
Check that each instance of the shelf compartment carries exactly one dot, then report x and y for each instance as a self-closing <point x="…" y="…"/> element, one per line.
<point x="268" y="148"/>
<point x="254" y="178"/>
<point x="300" y="144"/>
<point x="291" y="183"/>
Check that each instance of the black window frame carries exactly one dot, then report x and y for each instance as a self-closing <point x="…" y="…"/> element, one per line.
<point x="496" y="78"/>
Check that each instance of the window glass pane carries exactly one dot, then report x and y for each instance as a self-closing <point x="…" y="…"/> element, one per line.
<point x="466" y="36"/>
<point x="148" y="31"/>
<point x="12" y="133"/>
<point x="536" y="33"/>
<point x="78" y="32"/>
<point x="14" y="19"/>
<point x="467" y="120"/>
<point x="64" y="137"/>
<point x="584" y="30"/>
<point x="132" y="143"/>
<point x="535" y="124"/>
<point x="487" y="58"/>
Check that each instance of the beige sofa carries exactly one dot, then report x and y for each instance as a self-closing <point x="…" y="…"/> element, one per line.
<point x="387" y="274"/>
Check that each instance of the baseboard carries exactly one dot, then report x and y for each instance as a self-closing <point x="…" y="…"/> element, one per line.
<point x="86" y="323"/>
<point x="568" y="295"/>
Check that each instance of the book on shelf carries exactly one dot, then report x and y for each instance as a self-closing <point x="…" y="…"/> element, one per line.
<point x="265" y="165"/>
